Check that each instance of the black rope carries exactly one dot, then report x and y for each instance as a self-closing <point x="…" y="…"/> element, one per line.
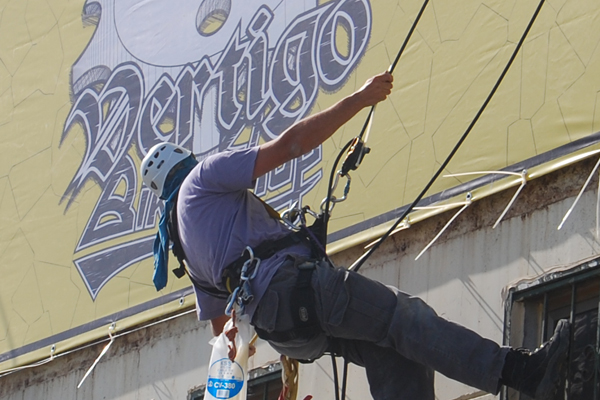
<point x="345" y="379"/>
<point x="340" y="393"/>
<point x="358" y="263"/>
<point x="393" y="65"/>
<point x="325" y="211"/>
<point x="366" y="124"/>
<point x="336" y="384"/>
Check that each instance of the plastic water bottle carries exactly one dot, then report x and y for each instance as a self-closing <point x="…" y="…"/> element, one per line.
<point x="228" y="380"/>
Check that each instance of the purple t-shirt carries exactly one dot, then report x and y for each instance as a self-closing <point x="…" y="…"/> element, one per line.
<point x="218" y="217"/>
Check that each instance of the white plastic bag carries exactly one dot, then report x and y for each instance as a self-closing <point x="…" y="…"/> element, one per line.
<point x="228" y="380"/>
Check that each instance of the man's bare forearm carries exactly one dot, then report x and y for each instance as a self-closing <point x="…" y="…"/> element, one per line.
<point x="310" y="132"/>
<point x="316" y="129"/>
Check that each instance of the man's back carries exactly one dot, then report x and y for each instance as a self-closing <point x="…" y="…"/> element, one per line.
<point x="218" y="217"/>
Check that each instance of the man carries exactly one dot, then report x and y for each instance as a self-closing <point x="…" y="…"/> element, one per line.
<point x="305" y="307"/>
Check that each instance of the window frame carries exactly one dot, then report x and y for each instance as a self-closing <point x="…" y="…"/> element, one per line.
<point x="527" y="294"/>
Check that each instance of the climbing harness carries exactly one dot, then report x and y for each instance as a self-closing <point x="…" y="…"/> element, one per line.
<point x="242" y="294"/>
<point x="237" y="275"/>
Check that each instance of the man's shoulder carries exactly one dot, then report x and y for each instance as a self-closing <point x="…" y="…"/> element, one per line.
<point x="227" y="171"/>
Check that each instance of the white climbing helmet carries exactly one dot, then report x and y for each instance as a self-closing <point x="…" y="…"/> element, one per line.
<point x="157" y="164"/>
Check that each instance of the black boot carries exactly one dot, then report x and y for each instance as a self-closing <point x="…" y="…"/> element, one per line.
<point x="540" y="374"/>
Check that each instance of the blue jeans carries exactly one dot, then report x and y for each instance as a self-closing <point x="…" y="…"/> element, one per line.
<point x="396" y="337"/>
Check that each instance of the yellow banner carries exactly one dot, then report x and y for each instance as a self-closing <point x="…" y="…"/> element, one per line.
<point x="86" y="88"/>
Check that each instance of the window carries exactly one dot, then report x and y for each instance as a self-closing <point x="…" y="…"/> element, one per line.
<point x="534" y="309"/>
<point x="263" y="384"/>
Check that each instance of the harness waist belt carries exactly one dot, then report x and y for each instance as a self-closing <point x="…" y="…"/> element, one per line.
<point x="265" y="250"/>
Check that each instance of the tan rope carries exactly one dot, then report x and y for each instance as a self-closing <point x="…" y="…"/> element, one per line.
<point x="289" y="376"/>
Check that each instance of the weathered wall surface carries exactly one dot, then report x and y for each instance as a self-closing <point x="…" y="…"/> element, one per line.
<point x="463" y="276"/>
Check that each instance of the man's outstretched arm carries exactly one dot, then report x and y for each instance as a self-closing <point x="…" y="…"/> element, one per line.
<point x="310" y="132"/>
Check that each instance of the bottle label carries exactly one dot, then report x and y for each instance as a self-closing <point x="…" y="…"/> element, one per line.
<point x="225" y="379"/>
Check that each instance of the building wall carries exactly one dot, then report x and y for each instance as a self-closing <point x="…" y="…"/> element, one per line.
<point x="464" y="276"/>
